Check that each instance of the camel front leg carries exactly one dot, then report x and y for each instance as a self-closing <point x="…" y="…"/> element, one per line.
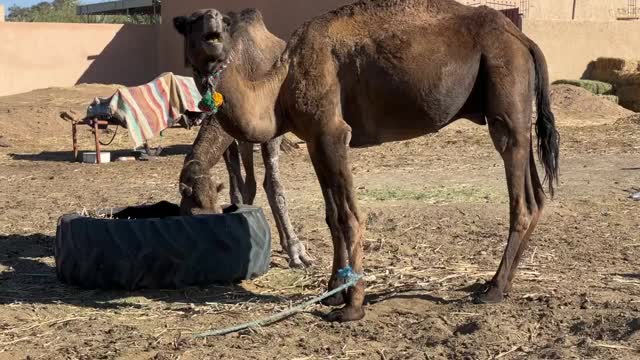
<point x="289" y="241"/>
<point x="329" y="154"/>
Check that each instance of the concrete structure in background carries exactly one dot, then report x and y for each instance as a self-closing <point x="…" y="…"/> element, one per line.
<point x="37" y="55"/>
<point x="569" y="46"/>
<point x="148" y="8"/>
<point x="121" y="7"/>
<point x="1" y="13"/>
<point x="41" y="55"/>
<point x="592" y="10"/>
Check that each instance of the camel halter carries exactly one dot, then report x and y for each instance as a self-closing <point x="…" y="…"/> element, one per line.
<point x="212" y="100"/>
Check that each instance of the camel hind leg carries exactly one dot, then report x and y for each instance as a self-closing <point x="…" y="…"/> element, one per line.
<point x="535" y="200"/>
<point x="298" y="256"/>
<point x="236" y="183"/>
<point x="509" y="120"/>
<point x="250" y="185"/>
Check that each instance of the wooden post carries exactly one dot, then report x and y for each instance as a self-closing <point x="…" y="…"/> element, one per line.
<point x="74" y="139"/>
<point x="95" y="135"/>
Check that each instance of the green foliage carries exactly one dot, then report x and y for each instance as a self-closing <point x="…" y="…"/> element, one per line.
<point x="593" y="86"/>
<point x="56" y="11"/>
<point x="65" y="11"/>
<point x="612" y="98"/>
<point x="436" y="195"/>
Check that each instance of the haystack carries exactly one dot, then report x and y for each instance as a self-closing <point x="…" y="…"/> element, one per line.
<point x="575" y="106"/>
<point x="624" y="74"/>
<point x="594" y="86"/>
<point x="629" y="96"/>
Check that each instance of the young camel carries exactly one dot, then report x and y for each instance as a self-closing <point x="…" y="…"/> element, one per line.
<point x="379" y="71"/>
<point x="198" y="186"/>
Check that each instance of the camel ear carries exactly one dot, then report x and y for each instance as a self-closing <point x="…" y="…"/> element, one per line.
<point x="185" y="190"/>
<point x="220" y="187"/>
<point x="181" y="23"/>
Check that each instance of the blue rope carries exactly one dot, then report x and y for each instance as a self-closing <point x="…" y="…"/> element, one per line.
<point x="344" y="273"/>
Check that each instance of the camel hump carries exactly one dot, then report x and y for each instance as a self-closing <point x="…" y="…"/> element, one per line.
<point x="251" y="15"/>
<point x="246" y="17"/>
<point x="491" y="18"/>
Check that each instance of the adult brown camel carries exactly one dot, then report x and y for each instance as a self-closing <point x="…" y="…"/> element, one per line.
<point x="379" y="71"/>
<point x="198" y="186"/>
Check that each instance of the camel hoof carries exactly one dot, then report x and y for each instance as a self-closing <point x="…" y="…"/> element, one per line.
<point x="335" y="300"/>
<point x="347" y="313"/>
<point x="507" y="290"/>
<point x="492" y="295"/>
<point x="299" y="258"/>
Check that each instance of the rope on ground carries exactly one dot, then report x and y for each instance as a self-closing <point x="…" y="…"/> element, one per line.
<point x="346" y="273"/>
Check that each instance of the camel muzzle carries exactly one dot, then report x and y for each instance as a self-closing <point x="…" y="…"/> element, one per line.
<point x="212" y="37"/>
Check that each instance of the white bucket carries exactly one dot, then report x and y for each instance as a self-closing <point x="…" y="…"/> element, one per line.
<point x="90" y="157"/>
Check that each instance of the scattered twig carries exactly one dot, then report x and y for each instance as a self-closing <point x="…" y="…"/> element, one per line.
<point x="465" y="314"/>
<point x="448" y="277"/>
<point x="533" y="254"/>
<point x="501" y="355"/>
<point x="50" y="323"/>
<point x="409" y="229"/>
<point x="618" y="347"/>
<point x="625" y="281"/>
<point x="14" y="341"/>
<point x="353" y="352"/>
<point x="382" y="356"/>
<point x="51" y="342"/>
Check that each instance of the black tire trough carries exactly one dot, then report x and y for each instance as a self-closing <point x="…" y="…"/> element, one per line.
<point x="152" y="247"/>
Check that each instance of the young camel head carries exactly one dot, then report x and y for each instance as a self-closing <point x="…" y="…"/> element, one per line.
<point x="207" y="41"/>
<point x="199" y="191"/>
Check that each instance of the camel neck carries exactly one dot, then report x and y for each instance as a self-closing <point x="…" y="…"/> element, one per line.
<point x="249" y="105"/>
<point x="210" y="144"/>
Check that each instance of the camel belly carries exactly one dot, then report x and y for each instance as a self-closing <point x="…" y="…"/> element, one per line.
<point x="383" y="105"/>
<point x="394" y="90"/>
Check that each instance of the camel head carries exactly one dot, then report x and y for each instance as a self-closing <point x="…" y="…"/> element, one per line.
<point x="207" y="39"/>
<point x="199" y="192"/>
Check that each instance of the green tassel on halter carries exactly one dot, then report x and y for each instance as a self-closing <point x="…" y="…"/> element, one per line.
<point x="213" y="100"/>
<point x="207" y="104"/>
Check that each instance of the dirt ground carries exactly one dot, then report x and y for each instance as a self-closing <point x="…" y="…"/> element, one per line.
<point x="578" y="107"/>
<point x="437" y="219"/>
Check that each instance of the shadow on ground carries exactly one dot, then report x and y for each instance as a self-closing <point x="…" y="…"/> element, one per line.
<point x="32" y="281"/>
<point x="67" y="156"/>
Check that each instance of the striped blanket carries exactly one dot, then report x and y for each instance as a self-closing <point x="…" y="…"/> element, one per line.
<point x="148" y="109"/>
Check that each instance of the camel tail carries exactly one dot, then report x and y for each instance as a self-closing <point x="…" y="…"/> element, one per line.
<point x="548" y="136"/>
